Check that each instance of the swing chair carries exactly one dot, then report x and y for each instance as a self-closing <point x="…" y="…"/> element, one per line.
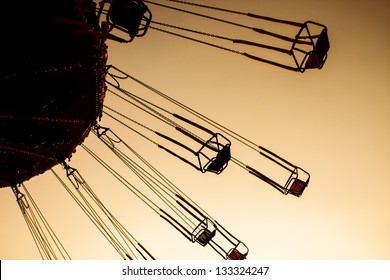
<point x="237" y="249"/>
<point x="236" y="252"/>
<point x="128" y="16"/>
<point x="202" y="233"/>
<point x="219" y="162"/>
<point x="213" y="155"/>
<point x="208" y="228"/>
<point x="309" y="47"/>
<point x="318" y="44"/>
<point x="297" y="181"/>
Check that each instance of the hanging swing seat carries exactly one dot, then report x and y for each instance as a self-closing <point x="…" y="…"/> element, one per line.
<point x="234" y="254"/>
<point x="219" y="163"/>
<point x="315" y="49"/>
<point x="205" y="236"/>
<point x="239" y="252"/>
<point x="317" y="57"/>
<point x="297" y="187"/>
<point x="130" y="16"/>
<point x="202" y="234"/>
<point x="213" y="155"/>
<point x="216" y="164"/>
<point x="296" y="184"/>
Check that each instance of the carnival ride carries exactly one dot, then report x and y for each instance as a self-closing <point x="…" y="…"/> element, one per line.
<point x="54" y="89"/>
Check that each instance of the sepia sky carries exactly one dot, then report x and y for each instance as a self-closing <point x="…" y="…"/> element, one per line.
<point x="333" y="122"/>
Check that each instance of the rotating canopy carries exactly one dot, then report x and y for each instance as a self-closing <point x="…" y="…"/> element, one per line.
<point x="52" y="84"/>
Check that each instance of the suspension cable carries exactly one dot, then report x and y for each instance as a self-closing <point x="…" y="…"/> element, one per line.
<point x="146" y="177"/>
<point x="164" y="180"/>
<point x="208" y="144"/>
<point x="259" y="30"/>
<point x="102" y="224"/>
<point x="149" y="110"/>
<point x="117" y="225"/>
<point x="209" y="121"/>
<point x="198" y="14"/>
<point x="141" y="196"/>
<point x="51" y="232"/>
<point x="38" y="225"/>
<point x="205" y="6"/>
<point x="158" y="145"/>
<point x="94" y="218"/>
<point x="169" y="184"/>
<point x="198" y="41"/>
<point x="245" y="42"/>
<point x="125" y="182"/>
<point x="167" y="187"/>
<point x="293" y="23"/>
<point x="129" y="127"/>
<point x="193" y="31"/>
<point x="246" y="142"/>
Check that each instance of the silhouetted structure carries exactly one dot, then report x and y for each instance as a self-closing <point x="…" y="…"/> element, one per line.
<point x="53" y="79"/>
<point x="52" y="85"/>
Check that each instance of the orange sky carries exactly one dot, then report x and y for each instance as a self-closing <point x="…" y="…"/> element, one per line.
<point x="333" y="122"/>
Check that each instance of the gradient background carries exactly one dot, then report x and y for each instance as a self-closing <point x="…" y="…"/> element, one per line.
<point x="332" y="122"/>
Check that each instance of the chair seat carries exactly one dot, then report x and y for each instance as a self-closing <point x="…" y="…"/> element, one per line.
<point x="234" y="254"/>
<point x="297" y="187"/>
<point x="205" y="236"/>
<point x="318" y="56"/>
<point x="219" y="163"/>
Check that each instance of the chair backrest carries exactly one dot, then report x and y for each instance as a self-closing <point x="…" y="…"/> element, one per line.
<point x="219" y="163"/>
<point x="234" y="254"/>
<point x="214" y="154"/>
<point x="297" y="187"/>
<point x="318" y="56"/>
<point x="205" y="236"/>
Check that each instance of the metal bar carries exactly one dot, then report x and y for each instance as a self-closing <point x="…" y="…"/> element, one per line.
<point x="270" y="158"/>
<point x="183" y="230"/>
<point x="239" y="41"/>
<point x="272" y="34"/>
<point x="215" y="249"/>
<point x="192" y="214"/>
<point x="143" y="248"/>
<point x="193" y="123"/>
<point x="221" y="232"/>
<point x="176" y="142"/>
<point x="275" y="155"/>
<point x="192" y="206"/>
<point x="270" y="62"/>
<point x="275" y="20"/>
<point x="265" y="179"/>
<point x="180" y="157"/>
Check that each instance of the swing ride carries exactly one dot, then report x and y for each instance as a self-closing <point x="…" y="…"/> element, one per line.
<point x="54" y="89"/>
